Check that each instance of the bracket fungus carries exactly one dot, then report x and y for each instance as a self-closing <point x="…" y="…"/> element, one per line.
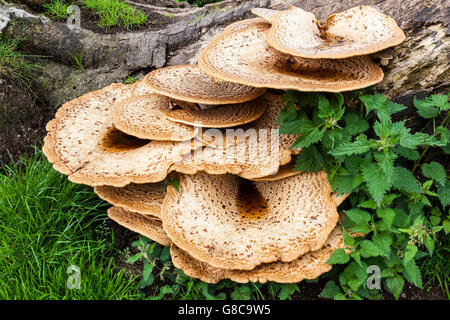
<point x="145" y="117"/>
<point x="146" y="198"/>
<point x="148" y="226"/>
<point x="232" y="223"/>
<point x="357" y="31"/>
<point x="242" y="212"/>
<point x="189" y="83"/>
<point x="241" y="55"/>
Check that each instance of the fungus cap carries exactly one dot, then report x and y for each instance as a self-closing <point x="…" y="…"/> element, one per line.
<point x="83" y="143"/>
<point x="146" y="198"/>
<point x="309" y="266"/>
<point x="220" y="117"/>
<point x="232" y="223"/>
<point x="241" y="55"/>
<point x="148" y="226"/>
<point x="145" y="117"/>
<point x="266" y="14"/>
<point x="357" y="31"/>
<point x="189" y="83"/>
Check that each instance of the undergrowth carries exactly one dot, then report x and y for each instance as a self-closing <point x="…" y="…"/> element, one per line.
<point x="14" y="65"/>
<point x="48" y="224"/>
<point x="399" y="197"/>
<point x="398" y="184"/>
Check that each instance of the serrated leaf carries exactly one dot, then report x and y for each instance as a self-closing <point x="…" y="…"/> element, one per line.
<point x="359" y="146"/>
<point x="330" y="290"/>
<point x="434" y="170"/>
<point x="361" y="227"/>
<point x="410" y="252"/>
<point x="368" y="204"/>
<point x="395" y="107"/>
<point x="425" y="108"/>
<point x="377" y="182"/>
<point x="309" y="160"/>
<point x="358" y="215"/>
<point x="412" y="273"/>
<point x="440" y="101"/>
<point x="369" y="249"/>
<point x="310" y="133"/>
<point x="288" y="114"/>
<point x="287" y="290"/>
<point x="404" y="180"/>
<point x="241" y="293"/>
<point x="339" y="256"/>
<point x="348" y="240"/>
<point x="383" y="241"/>
<point x="446" y="225"/>
<point x="373" y="102"/>
<point x="395" y="285"/>
<point x="355" y="125"/>
<point x="428" y="241"/>
<point x="387" y="215"/>
<point x="147" y="270"/>
<point x="134" y="258"/>
<point x="385" y="161"/>
<point x="409" y="154"/>
<point x="165" y="254"/>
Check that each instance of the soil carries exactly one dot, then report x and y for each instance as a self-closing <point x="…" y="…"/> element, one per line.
<point x="89" y="20"/>
<point x="22" y="121"/>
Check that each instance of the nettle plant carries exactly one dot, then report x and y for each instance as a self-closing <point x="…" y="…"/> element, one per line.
<point x="163" y="281"/>
<point x="399" y="189"/>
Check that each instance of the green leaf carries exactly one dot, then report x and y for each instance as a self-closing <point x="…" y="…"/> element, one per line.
<point x="425" y="108"/>
<point x="355" y="125"/>
<point x="412" y="273"/>
<point x="175" y="184"/>
<point x="440" y="101"/>
<point x="165" y="254"/>
<point x="330" y="290"/>
<point x="374" y="102"/>
<point x="395" y="285"/>
<point x="383" y="241"/>
<point x="377" y="182"/>
<point x="310" y="133"/>
<point x="287" y="290"/>
<point x="147" y="270"/>
<point x="369" y="204"/>
<point x="241" y="293"/>
<point x="410" y="252"/>
<point x="404" y="180"/>
<point x="360" y="145"/>
<point x="369" y="249"/>
<point x="428" y="241"/>
<point x="291" y="127"/>
<point x="385" y="161"/>
<point x="134" y="258"/>
<point x="309" y="160"/>
<point x="435" y="171"/>
<point x="446" y="225"/>
<point x="395" y="107"/>
<point x="387" y="216"/>
<point x="412" y="141"/>
<point x="288" y="114"/>
<point x="339" y="256"/>
<point x="409" y="154"/>
<point x="358" y="215"/>
<point x="348" y="240"/>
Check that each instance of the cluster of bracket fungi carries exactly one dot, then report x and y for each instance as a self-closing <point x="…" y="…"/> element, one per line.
<point x="239" y="210"/>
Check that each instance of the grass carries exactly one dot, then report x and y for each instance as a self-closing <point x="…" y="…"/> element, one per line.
<point x="57" y="9"/>
<point x="116" y="13"/>
<point x="14" y="65"/>
<point x="436" y="268"/>
<point x="48" y="224"/>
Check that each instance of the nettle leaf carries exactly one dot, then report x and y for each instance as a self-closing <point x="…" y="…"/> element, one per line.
<point x="309" y="160"/>
<point x="358" y="216"/>
<point x="434" y="170"/>
<point x="404" y="180"/>
<point x="348" y="240"/>
<point x="330" y="290"/>
<point x="425" y="108"/>
<point x="412" y="273"/>
<point x="288" y="114"/>
<point x="369" y="249"/>
<point x="373" y="102"/>
<point x="291" y="127"/>
<point x="359" y="146"/>
<point x="383" y="241"/>
<point x="409" y="154"/>
<point x="339" y="256"/>
<point x="310" y="133"/>
<point x="325" y="110"/>
<point x="412" y="141"/>
<point x="376" y="180"/>
<point x="241" y="293"/>
<point x="440" y="101"/>
<point x="134" y="258"/>
<point x="444" y="195"/>
<point x="354" y="124"/>
<point x="287" y="290"/>
<point x="147" y="270"/>
<point x="395" y="107"/>
<point x="395" y="285"/>
<point x="410" y="252"/>
<point x="385" y="161"/>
